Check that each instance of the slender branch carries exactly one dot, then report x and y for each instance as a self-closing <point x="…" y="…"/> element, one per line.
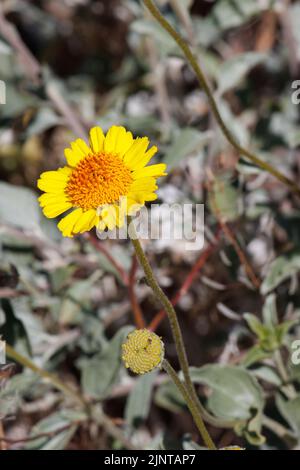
<point x="168" y="307"/>
<point x="162" y="298"/>
<point x="204" y="84"/>
<point x="190" y="403"/>
<point x="175" y="327"/>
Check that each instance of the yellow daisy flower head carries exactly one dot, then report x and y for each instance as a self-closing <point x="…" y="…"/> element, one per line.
<point x="142" y="351"/>
<point x="102" y="182"/>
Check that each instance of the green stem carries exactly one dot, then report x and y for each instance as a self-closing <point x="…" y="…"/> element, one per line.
<point x="168" y="307"/>
<point x="163" y="299"/>
<point x="190" y="403"/>
<point x="204" y="84"/>
<point x="213" y="420"/>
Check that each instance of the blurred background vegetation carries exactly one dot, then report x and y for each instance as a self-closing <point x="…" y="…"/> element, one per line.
<point x="67" y="304"/>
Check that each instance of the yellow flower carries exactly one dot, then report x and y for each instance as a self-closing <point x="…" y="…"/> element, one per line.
<point x="102" y="182"/>
<point x="142" y="351"/>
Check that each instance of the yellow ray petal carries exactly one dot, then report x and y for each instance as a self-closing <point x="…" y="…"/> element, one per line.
<point x="132" y="206"/>
<point x="147" y="184"/>
<point x="62" y="174"/>
<point x="120" y="211"/>
<point x="71" y="157"/>
<point x="142" y="197"/>
<point x="118" y="140"/>
<point x="79" y="149"/>
<point x="136" y="151"/>
<point x="97" y="139"/>
<point x="153" y="170"/>
<point x="55" y="209"/>
<point x="54" y="181"/>
<point x="139" y="196"/>
<point x="143" y="159"/>
<point x="52" y="198"/>
<point x="109" y="216"/>
<point x="51" y="185"/>
<point x="66" y="224"/>
<point x="150" y="197"/>
<point x="86" y="221"/>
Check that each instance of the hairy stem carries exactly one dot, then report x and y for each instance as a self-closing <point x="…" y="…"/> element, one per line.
<point x="168" y="307"/>
<point x="163" y="299"/>
<point x="190" y="403"/>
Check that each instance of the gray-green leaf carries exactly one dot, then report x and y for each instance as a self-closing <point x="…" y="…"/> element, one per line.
<point x="101" y="372"/>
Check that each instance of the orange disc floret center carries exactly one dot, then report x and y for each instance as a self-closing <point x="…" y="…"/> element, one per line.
<point x="98" y="179"/>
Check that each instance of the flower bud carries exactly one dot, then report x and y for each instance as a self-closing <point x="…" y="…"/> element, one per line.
<point x="142" y="351"/>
